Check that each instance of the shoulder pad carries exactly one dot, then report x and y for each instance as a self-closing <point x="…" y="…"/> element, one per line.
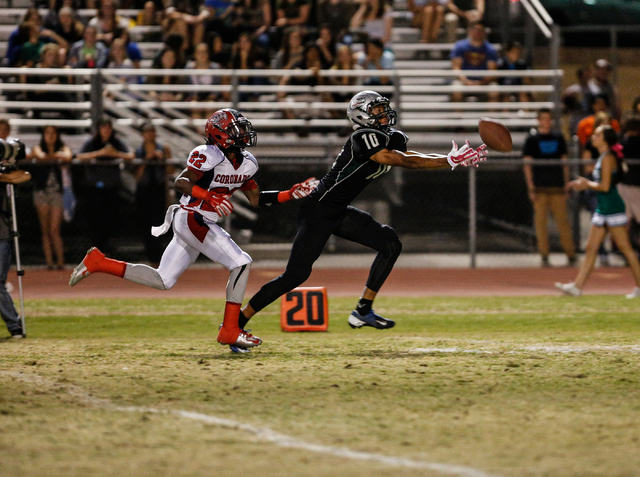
<point x="205" y="158"/>
<point x="250" y="157"/>
<point x="398" y="140"/>
<point x="367" y="142"/>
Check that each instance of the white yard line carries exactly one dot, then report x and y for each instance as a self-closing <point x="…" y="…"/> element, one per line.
<point x="560" y="349"/>
<point x="263" y="433"/>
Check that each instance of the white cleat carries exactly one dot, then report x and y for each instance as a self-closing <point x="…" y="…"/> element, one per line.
<point x="247" y="340"/>
<point x="635" y="293"/>
<point x="79" y="273"/>
<point x="569" y="289"/>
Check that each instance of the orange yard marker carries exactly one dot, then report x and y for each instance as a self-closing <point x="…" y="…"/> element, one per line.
<point x="305" y="309"/>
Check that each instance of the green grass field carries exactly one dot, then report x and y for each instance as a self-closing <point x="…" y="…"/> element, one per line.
<point x="536" y="386"/>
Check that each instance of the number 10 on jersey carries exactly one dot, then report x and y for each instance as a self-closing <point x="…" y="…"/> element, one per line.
<point x="305" y="309"/>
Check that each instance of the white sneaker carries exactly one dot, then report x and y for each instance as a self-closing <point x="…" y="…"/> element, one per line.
<point x="569" y="289"/>
<point x="635" y="293"/>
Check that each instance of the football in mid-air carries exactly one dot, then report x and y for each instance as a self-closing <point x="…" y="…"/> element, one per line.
<point x="495" y="135"/>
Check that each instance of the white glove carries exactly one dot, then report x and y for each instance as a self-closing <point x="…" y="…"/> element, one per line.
<point x="466" y="155"/>
<point x="303" y="189"/>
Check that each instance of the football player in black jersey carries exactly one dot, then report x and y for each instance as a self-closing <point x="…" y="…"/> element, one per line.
<point x="371" y="150"/>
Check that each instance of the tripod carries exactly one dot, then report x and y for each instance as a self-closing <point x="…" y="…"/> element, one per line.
<point x="15" y="235"/>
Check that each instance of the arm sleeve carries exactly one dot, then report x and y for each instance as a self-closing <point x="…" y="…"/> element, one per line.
<point x="367" y="142"/>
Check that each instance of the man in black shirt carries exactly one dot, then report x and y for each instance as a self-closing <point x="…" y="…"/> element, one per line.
<point x="370" y="152"/>
<point x="546" y="185"/>
<point x="103" y="181"/>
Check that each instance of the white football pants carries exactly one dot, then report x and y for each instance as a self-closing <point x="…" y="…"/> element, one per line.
<point x="191" y="237"/>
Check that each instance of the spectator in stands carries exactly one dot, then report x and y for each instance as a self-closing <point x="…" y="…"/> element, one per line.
<point x="376" y="17"/>
<point x="167" y="62"/>
<point x="247" y="56"/>
<point x="103" y="182"/>
<point x="601" y="84"/>
<point x="291" y="51"/>
<point x="599" y="103"/>
<point x="629" y="189"/>
<point x="546" y="185"/>
<point x="107" y="21"/>
<point x="254" y="17"/>
<point x="132" y="48"/>
<point x="345" y="60"/>
<point x="30" y="51"/>
<point x="375" y="57"/>
<point x="220" y="52"/>
<point x="577" y="99"/>
<point x="50" y="154"/>
<point x="327" y="44"/>
<point x="312" y="62"/>
<point x="470" y="11"/>
<point x="336" y="14"/>
<point x="512" y="61"/>
<point x="427" y="16"/>
<point x="118" y="59"/>
<point x="68" y="27"/>
<point x="175" y="42"/>
<point x="218" y="20"/>
<point x="89" y="52"/>
<point x="291" y="13"/>
<point x="474" y="53"/>
<point x="49" y="58"/>
<point x="151" y="197"/>
<point x="150" y="16"/>
<point x="201" y="61"/>
<point x="610" y="215"/>
<point x="20" y="35"/>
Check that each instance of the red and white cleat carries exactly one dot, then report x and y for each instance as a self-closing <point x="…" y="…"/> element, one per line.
<point x="88" y="265"/>
<point x="240" y="338"/>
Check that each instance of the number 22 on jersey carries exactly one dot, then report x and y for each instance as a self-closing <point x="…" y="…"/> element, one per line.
<point x="197" y="159"/>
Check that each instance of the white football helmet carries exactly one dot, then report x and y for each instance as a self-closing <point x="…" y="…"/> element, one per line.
<point x="360" y="106"/>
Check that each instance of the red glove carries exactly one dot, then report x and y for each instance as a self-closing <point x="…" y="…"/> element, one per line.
<point x="219" y="203"/>
<point x="299" y="191"/>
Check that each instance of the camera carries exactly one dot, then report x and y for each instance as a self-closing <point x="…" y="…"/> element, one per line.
<point x="11" y="151"/>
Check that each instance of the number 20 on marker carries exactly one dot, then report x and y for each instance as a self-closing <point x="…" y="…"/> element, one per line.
<point x="305" y="309"/>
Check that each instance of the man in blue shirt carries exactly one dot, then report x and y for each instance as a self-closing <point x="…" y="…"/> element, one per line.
<point x="474" y="53"/>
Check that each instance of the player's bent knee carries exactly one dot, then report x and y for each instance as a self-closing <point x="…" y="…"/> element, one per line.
<point x="392" y="245"/>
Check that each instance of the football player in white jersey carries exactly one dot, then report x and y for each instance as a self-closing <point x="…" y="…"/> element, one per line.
<point x="214" y="172"/>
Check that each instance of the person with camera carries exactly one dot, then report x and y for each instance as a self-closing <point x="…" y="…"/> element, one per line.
<point x="9" y="151"/>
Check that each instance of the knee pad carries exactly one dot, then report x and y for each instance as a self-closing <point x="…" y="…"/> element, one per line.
<point x="392" y="245"/>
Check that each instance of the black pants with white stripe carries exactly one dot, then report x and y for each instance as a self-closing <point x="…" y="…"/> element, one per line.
<point x="315" y="225"/>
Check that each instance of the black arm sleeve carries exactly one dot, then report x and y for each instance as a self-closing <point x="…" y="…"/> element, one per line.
<point x="268" y="197"/>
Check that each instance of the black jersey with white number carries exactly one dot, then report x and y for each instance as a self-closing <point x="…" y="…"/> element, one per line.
<point x="353" y="169"/>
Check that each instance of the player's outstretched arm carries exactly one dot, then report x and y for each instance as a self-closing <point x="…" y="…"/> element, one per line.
<point x="259" y="198"/>
<point x="464" y="156"/>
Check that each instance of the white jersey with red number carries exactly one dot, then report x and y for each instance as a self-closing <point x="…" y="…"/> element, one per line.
<point x="219" y="174"/>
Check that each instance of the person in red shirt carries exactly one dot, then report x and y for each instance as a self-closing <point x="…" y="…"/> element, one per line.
<point x="587" y="125"/>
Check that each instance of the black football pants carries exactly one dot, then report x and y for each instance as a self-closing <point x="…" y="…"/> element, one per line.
<point x="315" y="226"/>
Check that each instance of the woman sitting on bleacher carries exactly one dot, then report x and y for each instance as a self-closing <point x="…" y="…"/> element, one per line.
<point x="168" y="61"/>
<point x="201" y="62"/>
<point x="376" y="17"/>
<point x="107" y="21"/>
<point x="344" y="61"/>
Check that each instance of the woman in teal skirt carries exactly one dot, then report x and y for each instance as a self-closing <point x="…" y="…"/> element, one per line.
<point x="609" y="215"/>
